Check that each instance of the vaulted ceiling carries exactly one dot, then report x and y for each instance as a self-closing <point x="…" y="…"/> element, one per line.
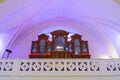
<point x="97" y="20"/>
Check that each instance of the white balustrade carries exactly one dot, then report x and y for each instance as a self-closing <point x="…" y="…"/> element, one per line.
<point x="59" y="67"/>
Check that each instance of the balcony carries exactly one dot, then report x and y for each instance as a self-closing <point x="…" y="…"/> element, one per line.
<point x="81" y="68"/>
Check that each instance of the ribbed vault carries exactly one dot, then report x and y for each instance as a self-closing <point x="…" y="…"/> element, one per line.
<point x="97" y="20"/>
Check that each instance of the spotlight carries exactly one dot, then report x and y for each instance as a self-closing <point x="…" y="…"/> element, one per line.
<point x="8" y="52"/>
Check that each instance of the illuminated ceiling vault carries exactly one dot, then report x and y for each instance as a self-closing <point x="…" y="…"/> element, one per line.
<point x="97" y="20"/>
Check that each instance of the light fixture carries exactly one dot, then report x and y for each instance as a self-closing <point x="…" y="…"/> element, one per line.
<point x="8" y="52"/>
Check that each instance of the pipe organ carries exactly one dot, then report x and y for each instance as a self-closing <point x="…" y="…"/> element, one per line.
<point x="59" y="46"/>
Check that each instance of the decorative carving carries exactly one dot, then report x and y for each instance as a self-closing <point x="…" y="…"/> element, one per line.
<point x="6" y="66"/>
<point x="61" y="66"/>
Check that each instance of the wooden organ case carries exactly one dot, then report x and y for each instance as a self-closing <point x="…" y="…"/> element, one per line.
<point x="59" y="46"/>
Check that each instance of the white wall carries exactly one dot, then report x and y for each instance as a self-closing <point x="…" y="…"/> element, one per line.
<point x="71" y="77"/>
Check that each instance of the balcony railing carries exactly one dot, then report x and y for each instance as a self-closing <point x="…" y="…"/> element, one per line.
<point x="59" y="67"/>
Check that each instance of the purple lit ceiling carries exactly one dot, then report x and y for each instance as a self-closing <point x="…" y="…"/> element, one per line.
<point x="97" y="20"/>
